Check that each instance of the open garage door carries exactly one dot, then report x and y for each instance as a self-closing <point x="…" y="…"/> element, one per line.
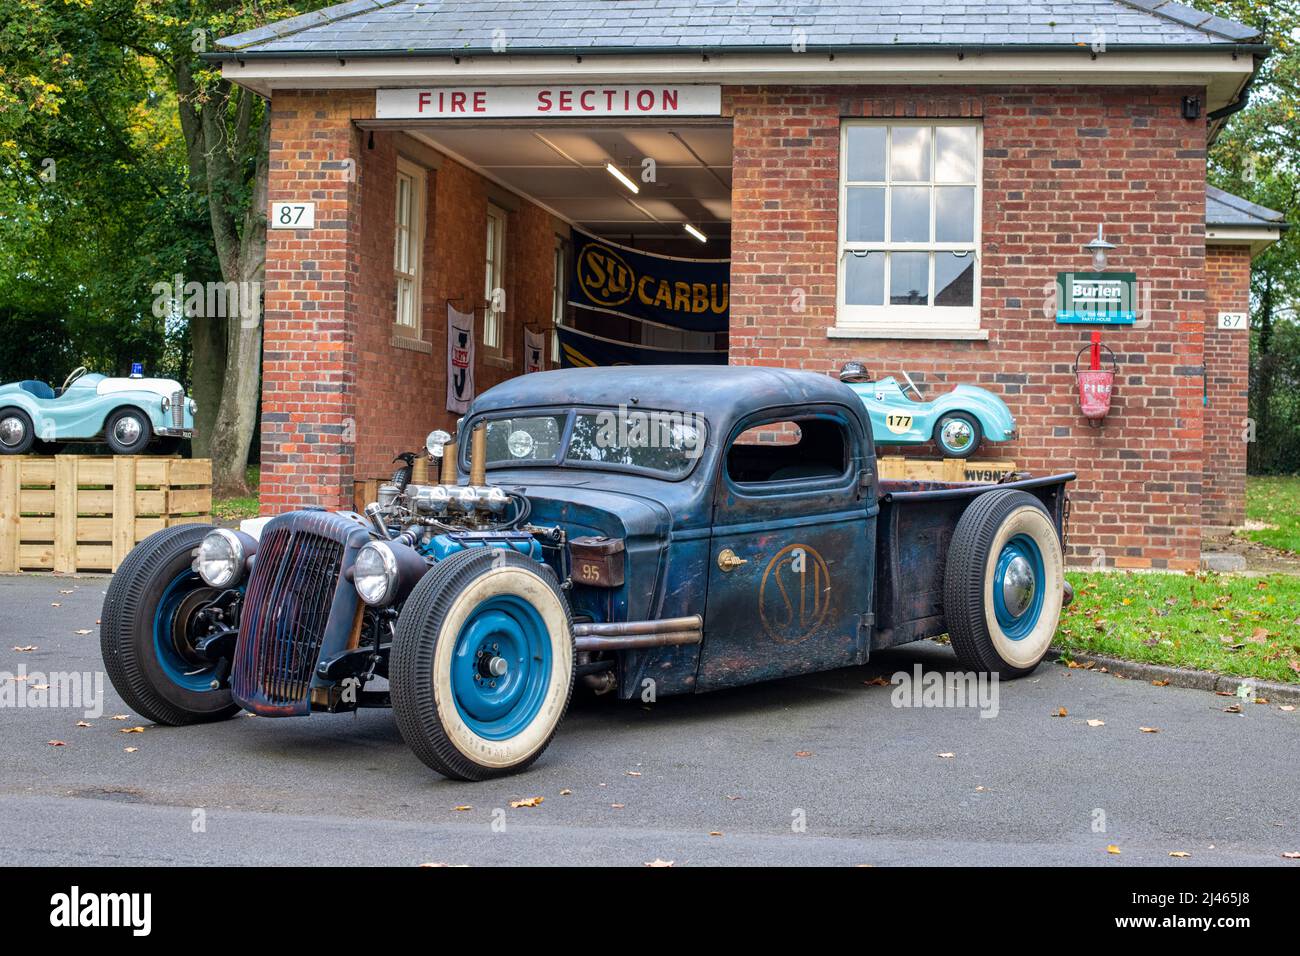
<point x="646" y="265"/>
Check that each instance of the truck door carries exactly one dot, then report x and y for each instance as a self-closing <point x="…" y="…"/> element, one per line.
<point x="790" y="569"/>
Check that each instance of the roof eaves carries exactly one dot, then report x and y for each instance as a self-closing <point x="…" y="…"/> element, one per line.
<point x="283" y="28"/>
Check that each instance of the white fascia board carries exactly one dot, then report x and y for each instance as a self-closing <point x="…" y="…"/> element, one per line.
<point x="1220" y="71"/>
<point x="1258" y="238"/>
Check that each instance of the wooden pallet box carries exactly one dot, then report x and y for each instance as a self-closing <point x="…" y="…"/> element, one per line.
<point x="899" y="468"/>
<point x="72" y="513"/>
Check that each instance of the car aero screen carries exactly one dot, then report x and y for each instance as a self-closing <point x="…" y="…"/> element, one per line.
<point x="664" y="442"/>
<point x="524" y="440"/>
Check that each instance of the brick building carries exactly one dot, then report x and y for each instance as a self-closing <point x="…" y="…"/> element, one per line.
<point x="895" y="183"/>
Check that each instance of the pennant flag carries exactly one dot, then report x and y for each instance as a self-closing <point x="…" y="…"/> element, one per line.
<point x="460" y="360"/>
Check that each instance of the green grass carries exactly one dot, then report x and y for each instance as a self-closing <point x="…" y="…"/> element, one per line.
<point x="230" y="509"/>
<point x="1275" y="501"/>
<point x="1244" y="626"/>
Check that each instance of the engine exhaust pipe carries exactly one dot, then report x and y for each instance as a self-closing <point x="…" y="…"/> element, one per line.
<point x="448" y="473"/>
<point x="630" y="635"/>
<point x="478" y="457"/>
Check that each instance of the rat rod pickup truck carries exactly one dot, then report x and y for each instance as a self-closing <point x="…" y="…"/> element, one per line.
<point x="644" y="531"/>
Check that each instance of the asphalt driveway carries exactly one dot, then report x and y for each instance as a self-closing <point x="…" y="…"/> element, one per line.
<point x="820" y="769"/>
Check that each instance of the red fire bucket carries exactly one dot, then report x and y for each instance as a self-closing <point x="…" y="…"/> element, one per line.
<point x="1095" y="385"/>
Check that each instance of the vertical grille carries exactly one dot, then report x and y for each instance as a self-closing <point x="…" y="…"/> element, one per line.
<point x="285" y="613"/>
<point x="178" y="409"/>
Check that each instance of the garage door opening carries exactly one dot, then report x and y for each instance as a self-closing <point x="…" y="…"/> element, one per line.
<point x="643" y="275"/>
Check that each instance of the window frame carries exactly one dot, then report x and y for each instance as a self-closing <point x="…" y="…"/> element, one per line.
<point x="559" y="297"/>
<point x="415" y="229"/>
<point x="907" y="320"/>
<point x="494" y="276"/>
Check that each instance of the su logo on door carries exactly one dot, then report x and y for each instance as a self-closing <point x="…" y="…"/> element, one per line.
<point x="794" y="595"/>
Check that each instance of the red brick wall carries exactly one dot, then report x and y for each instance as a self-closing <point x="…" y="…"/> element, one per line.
<point x="340" y="399"/>
<point x="1227" y="370"/>
<point x="1056" y="162"/>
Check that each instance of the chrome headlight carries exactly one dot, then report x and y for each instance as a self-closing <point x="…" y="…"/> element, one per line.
<point x="166" y="404"/>
<point x="192" y="405"/>
<point x="435" y="442"/>
<point x="375" y="573"/>
<point x="220" y="560"/>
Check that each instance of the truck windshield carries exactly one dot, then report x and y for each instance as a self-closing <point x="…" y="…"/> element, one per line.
<point x="666" y="443"/>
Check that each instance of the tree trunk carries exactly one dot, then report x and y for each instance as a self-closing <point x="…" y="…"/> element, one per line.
<point x="232" y="432"/>
<point x="207" y="372"/>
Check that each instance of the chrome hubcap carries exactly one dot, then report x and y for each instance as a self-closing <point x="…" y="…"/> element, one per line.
<point x="127" y="431"/>
<point x="497" y="667"/>
<point x="1018" y="586"/>
<point x="12" y="430"/>
<point x="956" y="434"/>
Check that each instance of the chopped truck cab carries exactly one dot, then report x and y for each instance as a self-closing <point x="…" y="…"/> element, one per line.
<point x="680" y="529"/>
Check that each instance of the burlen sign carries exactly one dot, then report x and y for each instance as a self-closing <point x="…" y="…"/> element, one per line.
<point x="493" y="102"/>
<point x="1096" y="298"/>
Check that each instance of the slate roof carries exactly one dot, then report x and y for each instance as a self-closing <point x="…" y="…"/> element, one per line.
<point x="1225" y="209"/>
<point x="395" y="27"/>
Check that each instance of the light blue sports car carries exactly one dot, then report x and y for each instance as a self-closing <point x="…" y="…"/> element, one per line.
<point x="131" y="415"/>
<point x="958" y="421"/>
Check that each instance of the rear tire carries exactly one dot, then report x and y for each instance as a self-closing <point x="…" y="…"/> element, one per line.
<point x="144" y="615"/>
<point x="473" y="609"/>
<point x="1004" y="583"/>
<point x="16" y="432"/>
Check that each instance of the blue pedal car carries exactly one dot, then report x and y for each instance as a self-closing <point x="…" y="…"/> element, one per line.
<point x="958" y="421"/>
<point x="129" y="414"/>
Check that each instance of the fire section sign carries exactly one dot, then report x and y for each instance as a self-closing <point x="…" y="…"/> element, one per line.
<point x="491" y="102"/>
<point x="1096" y="298"/>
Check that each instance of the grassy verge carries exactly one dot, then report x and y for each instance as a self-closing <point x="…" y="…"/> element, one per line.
<point x="1275" y="501"/>
<point x="231" y="509"/>
<point x="1248" y="627"/>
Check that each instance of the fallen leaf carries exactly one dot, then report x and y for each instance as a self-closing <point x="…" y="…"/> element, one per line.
<point x="1287" y="707"/>
<point x="1061" y="712"/>
<point x="1096" y="723"/>
<point x="566" y="792"/>
<point x="1149" y="730"/>
<point x="947" y="755"/>
<point x="55" y="604"/>
<point x="119" y="717"/>
<point x="736" y="797"/>
<point x="131" y="730"/>
<point x="25" y="648"/>
<point x="1232" y="709"/>
<point x="1258" y="636"/>
<point x="130" y="750"/>
<point x="656" y="862"/>
<point x="715" y="833"/>
<point x="526" y="802"/>
<point x="803" y="753"/>
<point x="617" y="806"/>
<point x="84" y="630"/>
<point x="1112" y="848"/>
<point x="56" y="743"/>
<point x="1160" y="683"/>
<point x="1180" y="854"/>
<point x="82" y="723"/>
<point x="1291" y="856"/>
<point x="462" y="808"/>
<point x="877" y="682"/>
<point x="634" y="773"/>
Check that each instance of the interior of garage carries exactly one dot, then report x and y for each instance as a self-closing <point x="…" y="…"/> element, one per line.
<point x="639" y="187"/>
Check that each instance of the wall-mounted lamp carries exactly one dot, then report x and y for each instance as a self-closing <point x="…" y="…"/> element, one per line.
<point x="1099" y="247"/>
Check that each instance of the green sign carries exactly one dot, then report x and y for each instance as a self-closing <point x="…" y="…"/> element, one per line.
<point x="1096" y="298"/>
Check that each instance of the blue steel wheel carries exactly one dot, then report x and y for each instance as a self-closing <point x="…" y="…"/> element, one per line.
<point x="147" y="630"/>
<point x="481" y="669"/>
<point x="1004" y="583"/>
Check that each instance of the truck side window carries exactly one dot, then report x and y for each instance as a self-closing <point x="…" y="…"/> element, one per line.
<point x="789" y="451"/>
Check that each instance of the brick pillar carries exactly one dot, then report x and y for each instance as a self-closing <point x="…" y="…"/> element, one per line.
<point x="1227" y="373"/>
<point x="309" y="355"/>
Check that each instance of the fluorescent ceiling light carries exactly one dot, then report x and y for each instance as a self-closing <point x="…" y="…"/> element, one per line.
<point x="696" y="233"/>
<point x="618" y="174"/>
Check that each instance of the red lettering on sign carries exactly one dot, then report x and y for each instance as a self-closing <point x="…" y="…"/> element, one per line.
<point x="566" y="101"/>
<point x="645" y="100"/>
<point x="458" y="102"/>
<point x="670" y="99"/>
<point x="543" y="101"/>
<point x="583" y="97"/>
<point x="424" y="101"/>
<point x="480" y="101"/>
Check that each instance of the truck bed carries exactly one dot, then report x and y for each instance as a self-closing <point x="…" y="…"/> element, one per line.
<point x="915" y="526"/>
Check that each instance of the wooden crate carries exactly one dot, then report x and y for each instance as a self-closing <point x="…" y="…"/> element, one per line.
<point x="73" y="513"/>
<point x="899" y="468"/>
